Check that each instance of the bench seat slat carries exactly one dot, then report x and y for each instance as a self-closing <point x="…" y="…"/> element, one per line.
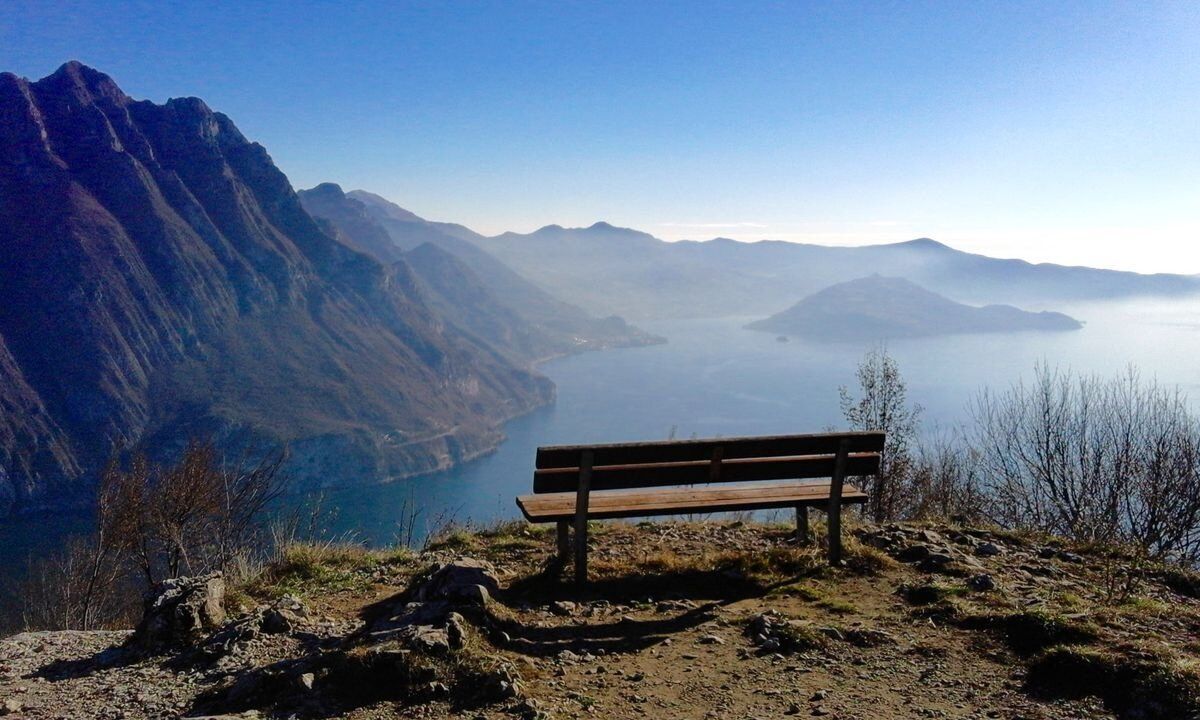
<point x="562" y="456"/>
<point x="550" y="507"/>
<point x="615" y="477"/>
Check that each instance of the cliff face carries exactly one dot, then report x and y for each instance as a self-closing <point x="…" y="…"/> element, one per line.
<point x="158" y="277"/>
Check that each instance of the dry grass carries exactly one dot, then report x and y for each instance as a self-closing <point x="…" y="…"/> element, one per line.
<point x="308" y="568"/>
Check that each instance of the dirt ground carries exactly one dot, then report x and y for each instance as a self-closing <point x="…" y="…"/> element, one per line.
<point x="935" y="623"/>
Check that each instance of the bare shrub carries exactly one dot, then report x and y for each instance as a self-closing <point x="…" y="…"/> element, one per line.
<point x="945" y="482"/>
<point x="194" y="516"/>
<point x="1097" y="460"/>
<point x="883" y="405"/>
<point x="151" y="523"/>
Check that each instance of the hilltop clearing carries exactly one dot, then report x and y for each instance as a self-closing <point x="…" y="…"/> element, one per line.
<point x="683" y="620"/>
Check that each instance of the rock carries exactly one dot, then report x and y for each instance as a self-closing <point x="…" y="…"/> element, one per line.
<point x="284" y="615"/>
<point x="935" y="562"/>
<point x="503" y="683"/>
<point x="562" y="607"/>
<point x="11" y="707"/>
<point x="456" y="630"/>
<point x="931" y="537"/>
<point x="306" y="681"/>
<point x="462" y="580"/>
<point x="913" y="553"/>
<point x="981" y="583"/>
<point x="988" y="549"/>
<point x="712" y="640"/>
<point x="180" y="611"/>
<point x="528" y="709"/>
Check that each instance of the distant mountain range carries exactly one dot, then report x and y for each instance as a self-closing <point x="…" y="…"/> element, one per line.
<point x="159" y="278"/>
<point x="467" y="286"/>
<point x="878" y="307"/>
<point x="606" y="269"/>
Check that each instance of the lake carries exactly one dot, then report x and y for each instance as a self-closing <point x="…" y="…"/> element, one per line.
<point x="714" y="378"/>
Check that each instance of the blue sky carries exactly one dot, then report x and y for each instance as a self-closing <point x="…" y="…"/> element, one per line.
<point x="1062" y="131"/>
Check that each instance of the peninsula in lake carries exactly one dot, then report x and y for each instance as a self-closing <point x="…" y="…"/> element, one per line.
<point x="878" y="307"/>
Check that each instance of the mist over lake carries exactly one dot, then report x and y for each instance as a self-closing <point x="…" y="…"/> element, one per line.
<point x="715" y="378"/>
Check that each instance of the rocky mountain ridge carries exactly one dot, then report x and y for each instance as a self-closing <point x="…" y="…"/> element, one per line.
<point x="159" y="278"/>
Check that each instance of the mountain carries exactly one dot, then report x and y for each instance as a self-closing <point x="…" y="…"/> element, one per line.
<point x="467" y="285"/>
<point x="606" y="269"/>
<point x="879" y="307"/>
<point x="159" y="278"/>
<point x="456" y="293"/>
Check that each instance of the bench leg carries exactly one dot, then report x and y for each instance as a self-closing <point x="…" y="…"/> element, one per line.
<point x="581" y="551"/>
<point x="581" y="506"/>
<point x="802" y="537"/>
<point x="835" y="504"/>
<point x="564" y="542"/>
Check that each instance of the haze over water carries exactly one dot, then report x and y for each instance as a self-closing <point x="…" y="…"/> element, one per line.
<point x="714" y="378"/>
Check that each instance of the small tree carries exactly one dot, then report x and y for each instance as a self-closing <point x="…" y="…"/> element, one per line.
<point x="883" y="405"/>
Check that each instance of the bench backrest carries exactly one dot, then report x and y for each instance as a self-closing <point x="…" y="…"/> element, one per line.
<point x="691" y="462"/>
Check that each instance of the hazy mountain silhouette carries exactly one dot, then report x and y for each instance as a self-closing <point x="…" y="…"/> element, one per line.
<point x="878" y="307"/>
<point x="606" y="269"/>
<point x="158" y="277"/>
<point x="468" y="286"/>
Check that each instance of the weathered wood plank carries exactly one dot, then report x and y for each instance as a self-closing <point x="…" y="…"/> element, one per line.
<point x="676" y="501"/>
<point x="567" y="456"/>
<point x="616" y="477"/>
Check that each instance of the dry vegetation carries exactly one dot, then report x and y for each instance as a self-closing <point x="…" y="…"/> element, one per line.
<point x="687" y="619"/>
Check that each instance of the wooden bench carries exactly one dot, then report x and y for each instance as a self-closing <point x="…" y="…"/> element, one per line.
<point x="575" y="483"/>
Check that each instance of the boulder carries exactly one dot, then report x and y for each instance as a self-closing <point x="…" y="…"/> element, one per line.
<point x="988" y="549"/>
<point x="181" y="611"/>
<point x="461" y="580"/>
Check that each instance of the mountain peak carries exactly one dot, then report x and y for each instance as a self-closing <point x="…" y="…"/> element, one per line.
<point x="924" y="244"/>
<point x="601" y="225"/>
<point x="85" y="79"/>
<point x="329" y="189"/>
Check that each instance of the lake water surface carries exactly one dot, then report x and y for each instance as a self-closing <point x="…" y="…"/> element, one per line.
<point x="713" y="378"/>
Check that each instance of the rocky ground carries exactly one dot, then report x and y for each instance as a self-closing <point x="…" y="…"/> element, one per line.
<point x="682" y="620"/>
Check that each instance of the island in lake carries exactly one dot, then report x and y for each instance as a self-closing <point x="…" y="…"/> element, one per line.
<point x="892" y="307"/>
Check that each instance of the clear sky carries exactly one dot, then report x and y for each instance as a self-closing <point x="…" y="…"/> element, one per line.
<point x="1057" y="131"/>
